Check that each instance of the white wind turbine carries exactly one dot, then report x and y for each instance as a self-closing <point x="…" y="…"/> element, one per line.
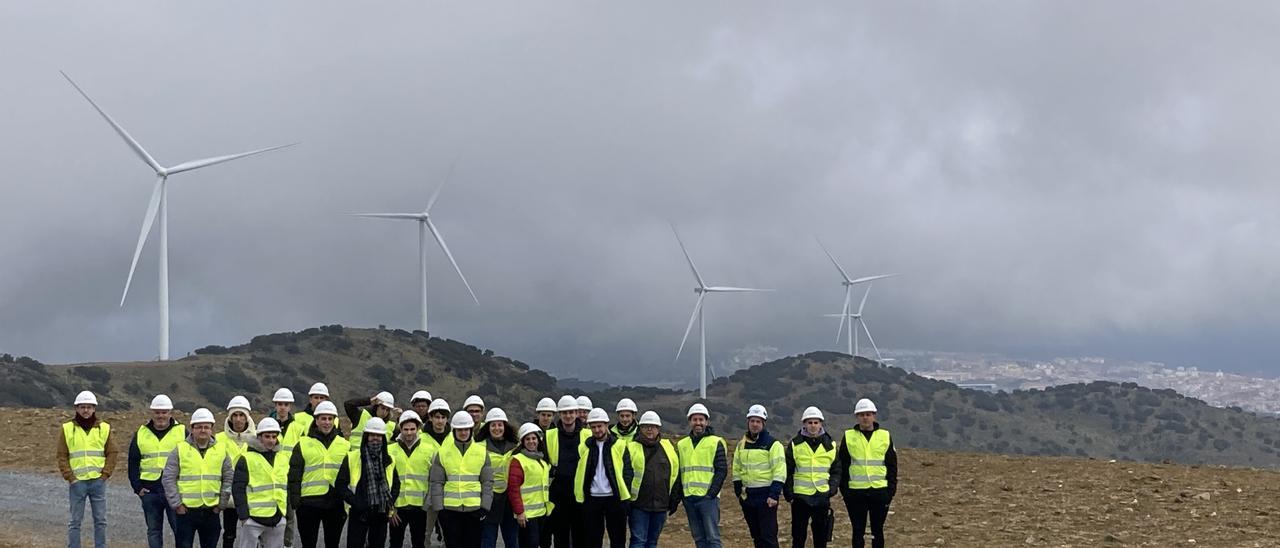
<point x="425" y="224"/>
<point x="158" y="207"/>
<point x="846" y="315"/>
<point x="702" y="290"/>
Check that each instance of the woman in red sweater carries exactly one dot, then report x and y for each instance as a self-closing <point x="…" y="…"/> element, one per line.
<point x="528" y="482"/>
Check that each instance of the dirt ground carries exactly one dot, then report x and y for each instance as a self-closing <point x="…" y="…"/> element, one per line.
<point x="944" y="499"/>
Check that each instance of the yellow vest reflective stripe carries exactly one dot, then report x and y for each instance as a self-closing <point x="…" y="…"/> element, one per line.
<point x="267" y="492"/>
<point x="320" y="464"/>
<point x="553" y="443"/>
<point x="499" y="462"/>
<point x="462" y="486"/>
<point x="200" y="476"/>
<point x="88" y="450"/>
<point x="636" y="451"/>
<point x="533" y="492"/>
<point x="414" y="470"/>
<point x="354" y="462"/>
<point x="697" y="464"/>
<point x="813" y="468"/>
<point x="233" y="448"/>
<point x="155" y="451"/>
<point x="759" y="467"/>
<point x="616" y="452"/>
<point x="866" y="459"/>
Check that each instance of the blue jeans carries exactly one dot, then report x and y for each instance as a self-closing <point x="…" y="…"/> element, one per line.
<point x="645" y="528"/>
<point x="704" y="520"/>
<point x="156" y="510"/>
<point x="509" y="527"/>
<point x="202" y="522"/>
<point x="96" y="491"/>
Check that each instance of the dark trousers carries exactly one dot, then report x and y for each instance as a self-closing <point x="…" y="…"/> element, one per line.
<point x="229" y="523"/>
<point x="367" y="529"/>
<point x="531" y="533"/>
<point x="310" y="519"/>
<point x="202" y="521"/>
<point x="461" y="529"/>
<point x="155" y="510"/>
<point x="864" y="502"/>
<point x="762" y="521"/>
<point x="565" y="522"/>
<point x="601" y="514"/>
<point x="413" y="519"/>
<point x="804" y="516"/>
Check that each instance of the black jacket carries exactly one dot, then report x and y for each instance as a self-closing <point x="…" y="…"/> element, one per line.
<point x="135" y="460"/>
<point x="594" y="454"/>
<point x="240" y="485"/>
<point x="788" y="489"/>
<point x="297" y="465"/>
<point x="356" y="498"/>
<point x="890" y="463"/>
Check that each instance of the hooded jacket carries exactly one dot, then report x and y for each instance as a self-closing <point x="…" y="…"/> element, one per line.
<point x="241" y="438"/>
<point x="172" y="468"/>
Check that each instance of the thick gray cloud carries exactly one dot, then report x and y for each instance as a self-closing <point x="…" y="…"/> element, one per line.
<point x="1048" y="178"/>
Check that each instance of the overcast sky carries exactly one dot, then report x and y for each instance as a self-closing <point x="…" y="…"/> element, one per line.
<point x="1050" y="178"/>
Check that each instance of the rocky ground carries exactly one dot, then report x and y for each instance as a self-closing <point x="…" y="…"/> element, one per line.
<point x="944" y="499"/>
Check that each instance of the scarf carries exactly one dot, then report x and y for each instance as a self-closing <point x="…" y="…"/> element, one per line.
<point x="377" y="493"/>
<point x="86" y="424"/>
<point x="535" y="455"/>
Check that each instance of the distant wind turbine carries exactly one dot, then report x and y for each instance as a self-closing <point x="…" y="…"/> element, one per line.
<point x="702" y="290"/>
<point x="158" y="207"/>
<point x="425" y="224"/>
<point x="845" y="314"/>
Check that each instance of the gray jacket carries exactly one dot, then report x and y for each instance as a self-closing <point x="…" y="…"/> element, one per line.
<point x="438" y="477"/>
<point x="169" y="477"/>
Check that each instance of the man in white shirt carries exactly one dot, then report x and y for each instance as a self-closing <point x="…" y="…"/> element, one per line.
<point x="600" y="485"/>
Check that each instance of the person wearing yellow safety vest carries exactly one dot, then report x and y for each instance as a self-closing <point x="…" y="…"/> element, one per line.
<point x="420" y="404"/>
<point x="461" y="484"/>
<point x="148" y="453"/>
<point x="313" y="476"/>
<point x="652" y="470"/>
<point x="810" y="481"/>
<point x="528" y="481"/>
<point x="237" y="431"/>
<point x="86" y="457"/>
<point x="291" y="430"/>
<point x="500" y="440"/>
<point x="625" y="428"/>
<point x="759" y="471"/>
<point x="360" y="410"/>
<point x="474" y="406"/>
<point x="704" y="464"/>
<point x="868" y="468"/>
<point x="318" y="393"/>
<point x="564" y="526"/>
<point x="584" y="407"/>
<point x="544" y="415"/>
<point x="367" y="481"/>
<point x="259" y="486"/>
<point x="599" y="485"/>
<point x="437" y="433"/>
<point x="412" y="457"/>
<point x="197" y="480"/>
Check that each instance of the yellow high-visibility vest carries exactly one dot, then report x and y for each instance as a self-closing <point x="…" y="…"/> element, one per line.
<point x="534" y="490"/>
<point x="155" y="451"/>
<point x="616" y="451"/>
<point x="200" y="476"/>
<point x="320" y="464"/>
<point x="307" y="419"/>
<point x="462" y="471"/>
<point x="88" y="450"/>
<point x="292" y="435"/>
<point x="267" y="492"/>
<point x="498" y="462"/>
<point x="636" y="450"/>
<point x="866" y="459"/>
<point x="233" y="447"/>
<point x="813" y="468"/>
<point x="759" y="467"/>
<point x="628" y="437"/>
<point x="697" y="464"/>
<point x="354" y="462"/>
<point x="415" y="470"/>
<point x="553" y="443"/>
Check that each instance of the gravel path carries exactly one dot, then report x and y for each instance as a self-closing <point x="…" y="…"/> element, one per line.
<point x="35" y="505"/>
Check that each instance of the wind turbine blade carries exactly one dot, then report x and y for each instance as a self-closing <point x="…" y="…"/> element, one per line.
<point x="197" y="164"/>
<point x="696" y="275"/>
<point x="692" y="318"/>
<point x="409" y="216"/>
<point x="833" y="261"/>
<point x="871" y="278"/>
<point x="152" y="208"/>
<point x="864" y="301"/>
<point x="436" y="194"/>
<point x="834" y="315"/>
<point x="726" y="289"/>
<point x="848" y="293"/>
<point x="445" y="247"/>
<point x="128" y="139"/>
<point x="873" y="341"/>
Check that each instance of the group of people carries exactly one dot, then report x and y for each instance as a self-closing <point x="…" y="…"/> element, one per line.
<point x="570" y="477"/>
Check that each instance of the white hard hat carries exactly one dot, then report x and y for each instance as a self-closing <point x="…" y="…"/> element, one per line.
<point x="625" y="404"/>
<point x="863" y="406"/>
<point x="238" y="402"/>
<point x="567" y="403"/>
<point x="420" y="395"/>
<point x="584" y="403"/>
<point x="812" y="412"/>
<point x="161" y="403"/>
<point x="202" y="415"/>
<point x="597" y="415"/>
<point x="375" y="425"/>
<point x="438" y="405"/>
<point x="650" y="418"/>
<point x="325" y="408"/>
<point x="546" y="404"/>
<point x="86" y="398"/>
<point x="759" y="412"/>
<point x="473" y="400"/>
<point x="283" y="395"/>
<point x="496" y="414"/>
<point x="462" y="420"/>
<point x="318" y="389"/>
<point x="698" y="409"/>
<point x="528" y="428"/>
<point x="386" y="399"/>
<point x="268" y="424"/>
<point x="409" y="415"/>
